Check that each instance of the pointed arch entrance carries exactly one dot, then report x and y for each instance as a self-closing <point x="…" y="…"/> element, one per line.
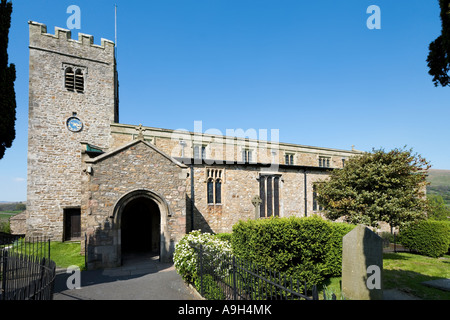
<point x="140" y="227"/>
<point x="140" y="220"/>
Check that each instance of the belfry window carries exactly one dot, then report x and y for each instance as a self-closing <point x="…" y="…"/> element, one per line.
<point x="69" y="80"/>
<point x="74" y="79"/>
<point x="79" y="80"/>
<point x="214" y="186"/>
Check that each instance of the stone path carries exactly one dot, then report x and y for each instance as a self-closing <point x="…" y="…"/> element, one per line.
<point x="139" y="279"/>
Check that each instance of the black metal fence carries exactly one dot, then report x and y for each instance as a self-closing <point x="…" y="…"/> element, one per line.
<point x="221" y="276"/>
<point x="26" y="270"/>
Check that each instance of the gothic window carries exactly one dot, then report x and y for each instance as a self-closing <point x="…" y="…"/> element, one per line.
<point x="79" y="80"/>
<point x="269" y="192"/>
<point x="210" y="187"/>
<point x="74" y="78"/>
<point x="289" y="158"/>
<point x="218" y="191"/>
<point x="214" y="186"/>
<point x="324" y="162"/>
<point x="69" y="79"/>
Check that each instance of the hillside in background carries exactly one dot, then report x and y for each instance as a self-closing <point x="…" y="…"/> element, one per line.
<point x="439" y="184"/>
<point x="12" y="206"/>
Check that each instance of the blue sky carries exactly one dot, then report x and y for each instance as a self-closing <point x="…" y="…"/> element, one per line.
<point x="311" y="69"/>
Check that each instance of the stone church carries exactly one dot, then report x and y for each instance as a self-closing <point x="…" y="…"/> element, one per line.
<point x="127" y="188"/>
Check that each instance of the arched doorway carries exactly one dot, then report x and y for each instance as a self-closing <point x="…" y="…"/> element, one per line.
<point x="140" y="223"/>
<point x="140" y="227"/>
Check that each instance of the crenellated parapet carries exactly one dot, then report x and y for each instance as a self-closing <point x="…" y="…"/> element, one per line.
<point x="61" y="41"/>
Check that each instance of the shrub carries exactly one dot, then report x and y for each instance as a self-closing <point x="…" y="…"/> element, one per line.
<point x="427" y="237"/>
<point x="211" y="290"/>
<point x="4" y="226"/>
<point x="224" y="236"/>
<point x="185" y="259"/>
<point x="295" y="246"/>
<point x="334" y="252"/>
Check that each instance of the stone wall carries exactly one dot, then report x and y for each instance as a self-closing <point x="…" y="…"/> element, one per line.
<point x="136" y="169"/>
<point x="18" y="223"/>
<point x="54" y="157"/>
<point x="223" y="149"/>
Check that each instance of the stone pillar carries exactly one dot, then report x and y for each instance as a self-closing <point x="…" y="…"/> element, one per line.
<point x="362" y="265"/>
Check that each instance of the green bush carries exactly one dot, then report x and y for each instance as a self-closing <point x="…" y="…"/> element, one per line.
<point x="334" y="252"/>
<point x="185" y="259"/>
<point x="4" y="226"/>
<point x="427" y="237"/>
<point x="295" y="246"/>
<point x="211" y="290"/>
<point x="224" y="236"/>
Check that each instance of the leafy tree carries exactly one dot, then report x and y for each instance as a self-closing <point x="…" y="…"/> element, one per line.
<point x="439" y="55"/>
<point x="377" y="186"/>
<point x="437" y="210"/>
<point x="7" y="78"/>
<point x="21" y="207"/>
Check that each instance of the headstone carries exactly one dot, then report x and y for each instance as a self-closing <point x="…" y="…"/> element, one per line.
<point x="362" y="265"/>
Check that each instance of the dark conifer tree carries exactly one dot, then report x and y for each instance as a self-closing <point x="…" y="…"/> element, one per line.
<point x="7" y="78"/>
<point x="439" y="55"/>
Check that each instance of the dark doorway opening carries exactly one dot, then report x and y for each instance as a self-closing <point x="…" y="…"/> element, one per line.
<point x="140" y="228"/>
<point x="72" y="224"/>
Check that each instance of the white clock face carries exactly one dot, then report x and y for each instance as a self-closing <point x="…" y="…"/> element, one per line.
<point x="74" y="124"/>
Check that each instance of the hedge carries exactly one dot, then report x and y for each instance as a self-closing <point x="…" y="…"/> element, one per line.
<point x="308" y="249"/>
<point x="427" y="237"/>
<point x="334" y="250"/>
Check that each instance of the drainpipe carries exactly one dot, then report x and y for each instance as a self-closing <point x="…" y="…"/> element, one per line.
<point x="306" y="193"/>
<point x="192" y="197"/>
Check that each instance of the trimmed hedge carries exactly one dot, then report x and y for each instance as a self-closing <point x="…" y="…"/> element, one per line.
<point x="308" y="249"/>
<point x="427" y="237"/>
<point x="334" y="250"/>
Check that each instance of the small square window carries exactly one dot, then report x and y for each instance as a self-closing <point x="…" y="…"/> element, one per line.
<point x="199" y="152"/>
<point x="324" y="162"/>
<point x="246" y="155"/>
<point x="289" y="159"/>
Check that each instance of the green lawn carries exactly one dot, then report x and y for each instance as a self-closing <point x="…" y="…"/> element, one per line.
<point x="66" y="254"/>
<point x="401" y="271"/>
<point x="406" y="272"/>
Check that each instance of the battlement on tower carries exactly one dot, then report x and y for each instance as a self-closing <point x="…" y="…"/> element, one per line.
<point x="62" y="41"/>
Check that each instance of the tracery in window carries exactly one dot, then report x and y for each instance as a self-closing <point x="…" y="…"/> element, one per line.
<point x="214" y="183"/>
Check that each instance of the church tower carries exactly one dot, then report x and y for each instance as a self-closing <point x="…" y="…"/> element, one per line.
<point x="72" y="100"/>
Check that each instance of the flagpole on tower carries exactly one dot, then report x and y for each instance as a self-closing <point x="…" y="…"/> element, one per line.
<point x="115" y="29"/>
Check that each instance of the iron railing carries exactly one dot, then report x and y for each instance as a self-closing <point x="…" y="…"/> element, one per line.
<point x="222" y="276"/>
<point x="26" y="270"/>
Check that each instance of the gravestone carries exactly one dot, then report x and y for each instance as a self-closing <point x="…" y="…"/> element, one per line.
<point x="362" y="265"/>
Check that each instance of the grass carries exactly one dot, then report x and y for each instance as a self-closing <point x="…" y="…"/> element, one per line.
<point x="67" y="254"/>
<point x="406" y="272"/>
